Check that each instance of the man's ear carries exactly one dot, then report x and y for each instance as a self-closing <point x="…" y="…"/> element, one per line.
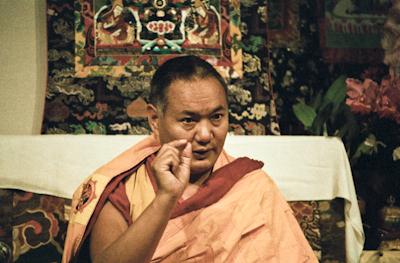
<point x="153" y="118"/>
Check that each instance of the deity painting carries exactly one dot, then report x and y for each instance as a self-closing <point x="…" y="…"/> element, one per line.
<point x="127" y="27"/>
<point x="114" y="25"/>
<point x="119" y="37"/>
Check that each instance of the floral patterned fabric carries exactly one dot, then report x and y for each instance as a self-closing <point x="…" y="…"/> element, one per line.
<point x="34" y="226"/>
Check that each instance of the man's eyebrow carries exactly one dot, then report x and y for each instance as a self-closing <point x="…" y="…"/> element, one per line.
<point x="186" y="112"/>
<point x="219" y="108"/>
<point x="191" y="113"/>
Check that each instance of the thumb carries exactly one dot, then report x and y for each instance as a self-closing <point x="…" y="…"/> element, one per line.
<point x="185" y="160"/>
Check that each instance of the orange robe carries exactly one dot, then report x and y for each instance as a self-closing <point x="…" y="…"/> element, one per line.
<point x="249" y="222"/>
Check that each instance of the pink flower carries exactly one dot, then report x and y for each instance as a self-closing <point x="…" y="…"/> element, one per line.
<point x="358" y="107"/>
<point x="361" y="96"/>
<point x="388" y="103"/>
<point x="367" y="97"/>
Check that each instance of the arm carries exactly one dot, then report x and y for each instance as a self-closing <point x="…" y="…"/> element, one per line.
<point x="113" y="241"/>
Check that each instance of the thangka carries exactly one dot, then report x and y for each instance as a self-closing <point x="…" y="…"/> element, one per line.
<point x="351" y="31"/>
<point x="121" y="37"/>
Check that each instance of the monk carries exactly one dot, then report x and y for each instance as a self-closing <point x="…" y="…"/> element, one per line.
<point x="178" y="196"/>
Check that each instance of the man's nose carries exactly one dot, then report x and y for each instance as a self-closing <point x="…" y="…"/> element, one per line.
<point x="203" y="132"/>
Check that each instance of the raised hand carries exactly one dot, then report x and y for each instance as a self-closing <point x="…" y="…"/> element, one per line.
<point x="171" y="168"/>
<point x="137" y="242"/>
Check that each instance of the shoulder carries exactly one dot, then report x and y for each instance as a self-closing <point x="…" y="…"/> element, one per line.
<point x="260" y="181"/>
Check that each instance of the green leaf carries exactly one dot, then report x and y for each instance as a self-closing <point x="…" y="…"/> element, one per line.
<point x="352" y="123"/>
<point x="305" y="114"/>
<point x="316" y="102"/>
<point x="324" y="113"/>
<point x="336" y="92"/>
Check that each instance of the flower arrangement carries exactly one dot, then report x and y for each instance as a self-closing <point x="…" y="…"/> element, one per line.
<point x="365" y="114"/>
<point x="377" y="107"/>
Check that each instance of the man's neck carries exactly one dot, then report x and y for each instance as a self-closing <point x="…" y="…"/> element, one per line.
<point x="198" y="179"/>
<point x="192" y="187"/>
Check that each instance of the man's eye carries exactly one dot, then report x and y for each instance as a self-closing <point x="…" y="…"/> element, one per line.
<point x="187" y="120"/>
<point x="217" y="117"/>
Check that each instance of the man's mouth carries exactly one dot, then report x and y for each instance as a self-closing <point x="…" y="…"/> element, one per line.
<point x="201" y="154"/>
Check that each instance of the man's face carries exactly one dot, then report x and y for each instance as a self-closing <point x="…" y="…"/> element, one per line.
<point x="197" y="111"/>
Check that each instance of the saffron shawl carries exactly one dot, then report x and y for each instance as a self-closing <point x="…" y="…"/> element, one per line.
<point x="250" y="223"/>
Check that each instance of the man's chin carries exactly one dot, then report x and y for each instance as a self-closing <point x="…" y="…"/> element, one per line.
<point x="200" y="167"/>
